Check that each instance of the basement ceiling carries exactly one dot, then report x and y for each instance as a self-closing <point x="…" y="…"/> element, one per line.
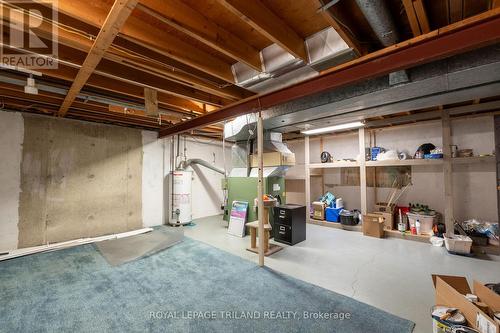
<point x="185" y="50"/>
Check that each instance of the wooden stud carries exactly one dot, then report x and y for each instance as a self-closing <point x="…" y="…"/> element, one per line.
<point x="447" y="174"/>
<point x="307" y="172"/>
<point x="362" y="170"/>
<point x="116" y="18"/>
<point x="260" y="188"/>
<point x="262" y="19"/>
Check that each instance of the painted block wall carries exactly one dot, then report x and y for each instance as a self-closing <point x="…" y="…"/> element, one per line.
<point x="474" y="185"/>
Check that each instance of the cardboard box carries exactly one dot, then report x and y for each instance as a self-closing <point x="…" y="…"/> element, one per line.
<point x="319" y="210"/>
<point x="388" y="219"/>
<point x="274" y="159"/>
<point x="451" y="291"/>
<point x="382" y="207"/>
<point x="373" y="225"/>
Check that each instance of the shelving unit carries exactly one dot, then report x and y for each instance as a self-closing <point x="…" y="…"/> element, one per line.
<point x="447" y="163"/>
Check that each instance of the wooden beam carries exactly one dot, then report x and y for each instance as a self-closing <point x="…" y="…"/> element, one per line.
<point x="116" y="18"/>
<point x="362" y="170"/>
<point x="268" y="24"/>
<point x="472" y="33"/>
<point x="350" y="40"/>
<point x="183" y="18"/>
<point x="148" y="36"/>
<point x="151" y="101"/>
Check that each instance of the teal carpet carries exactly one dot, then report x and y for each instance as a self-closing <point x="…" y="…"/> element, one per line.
<point x="191" y="287"/>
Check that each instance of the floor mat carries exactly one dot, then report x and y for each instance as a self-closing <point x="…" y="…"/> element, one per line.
<point x="191" y="287"/>
<point x="123" y="250"/>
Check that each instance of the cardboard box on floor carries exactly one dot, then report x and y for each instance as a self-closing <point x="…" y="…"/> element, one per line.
<point x="388" y="219"/>
<point x="373" y="225"/>
<point x="451" y="291"/>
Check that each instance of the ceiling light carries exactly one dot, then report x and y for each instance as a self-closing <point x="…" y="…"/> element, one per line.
<point x="30" y="87"/>
<point x="356" y="124"/>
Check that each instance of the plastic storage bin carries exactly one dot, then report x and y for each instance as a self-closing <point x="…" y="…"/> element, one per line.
<point x="458" y="244"/>
<point x="333" y="214"/>
<point x="426" y="222"/>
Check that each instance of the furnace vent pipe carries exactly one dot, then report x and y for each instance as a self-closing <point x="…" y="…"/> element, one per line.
<point x="183" y="165"/>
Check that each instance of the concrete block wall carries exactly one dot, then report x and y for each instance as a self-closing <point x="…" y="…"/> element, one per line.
<point x="474" y="184"/>
<point x="63" y="179"/>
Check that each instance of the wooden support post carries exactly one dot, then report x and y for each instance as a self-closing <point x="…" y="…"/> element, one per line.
<point x="322" y="149"/>
<point x="447" y="174"/>
<point x="362" y="170"/>
<point x="260" y="188"/>
<point x="307" y="161"/>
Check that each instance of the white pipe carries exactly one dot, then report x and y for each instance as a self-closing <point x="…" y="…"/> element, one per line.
<point x="64" y="245"/>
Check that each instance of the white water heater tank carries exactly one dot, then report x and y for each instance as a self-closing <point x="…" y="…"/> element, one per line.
<point x="181" y="198"/>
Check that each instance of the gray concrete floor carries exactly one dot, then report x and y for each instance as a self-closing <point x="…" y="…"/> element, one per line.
<point x="390" y="274"/>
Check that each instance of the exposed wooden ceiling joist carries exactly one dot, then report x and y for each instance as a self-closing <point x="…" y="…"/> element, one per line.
<point x="151" y="37"/>
<point x="80" y="42"/>
<point x="183" y="18"/>
<point x="455" y="10"/>
<point x="417" y="17"/>
<point x="116" y="18"/>
<point x="261" y="18"/>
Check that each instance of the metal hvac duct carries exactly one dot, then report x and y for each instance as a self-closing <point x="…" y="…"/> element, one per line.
<point x="378" y="16"/>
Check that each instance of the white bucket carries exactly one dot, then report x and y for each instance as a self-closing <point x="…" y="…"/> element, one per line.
<point x="426" y="223"/>
<point x="339" y="203"/>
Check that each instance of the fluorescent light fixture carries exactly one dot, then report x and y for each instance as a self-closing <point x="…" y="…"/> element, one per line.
<point x="356" y="124"/>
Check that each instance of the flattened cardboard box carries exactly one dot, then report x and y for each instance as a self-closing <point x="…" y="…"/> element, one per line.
<point x="451" y="291"/>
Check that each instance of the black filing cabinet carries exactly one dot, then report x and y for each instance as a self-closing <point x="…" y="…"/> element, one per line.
<point x="289" y="224"/>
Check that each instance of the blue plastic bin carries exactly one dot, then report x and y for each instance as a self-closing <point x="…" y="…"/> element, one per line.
<point x="332" y="214"/>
